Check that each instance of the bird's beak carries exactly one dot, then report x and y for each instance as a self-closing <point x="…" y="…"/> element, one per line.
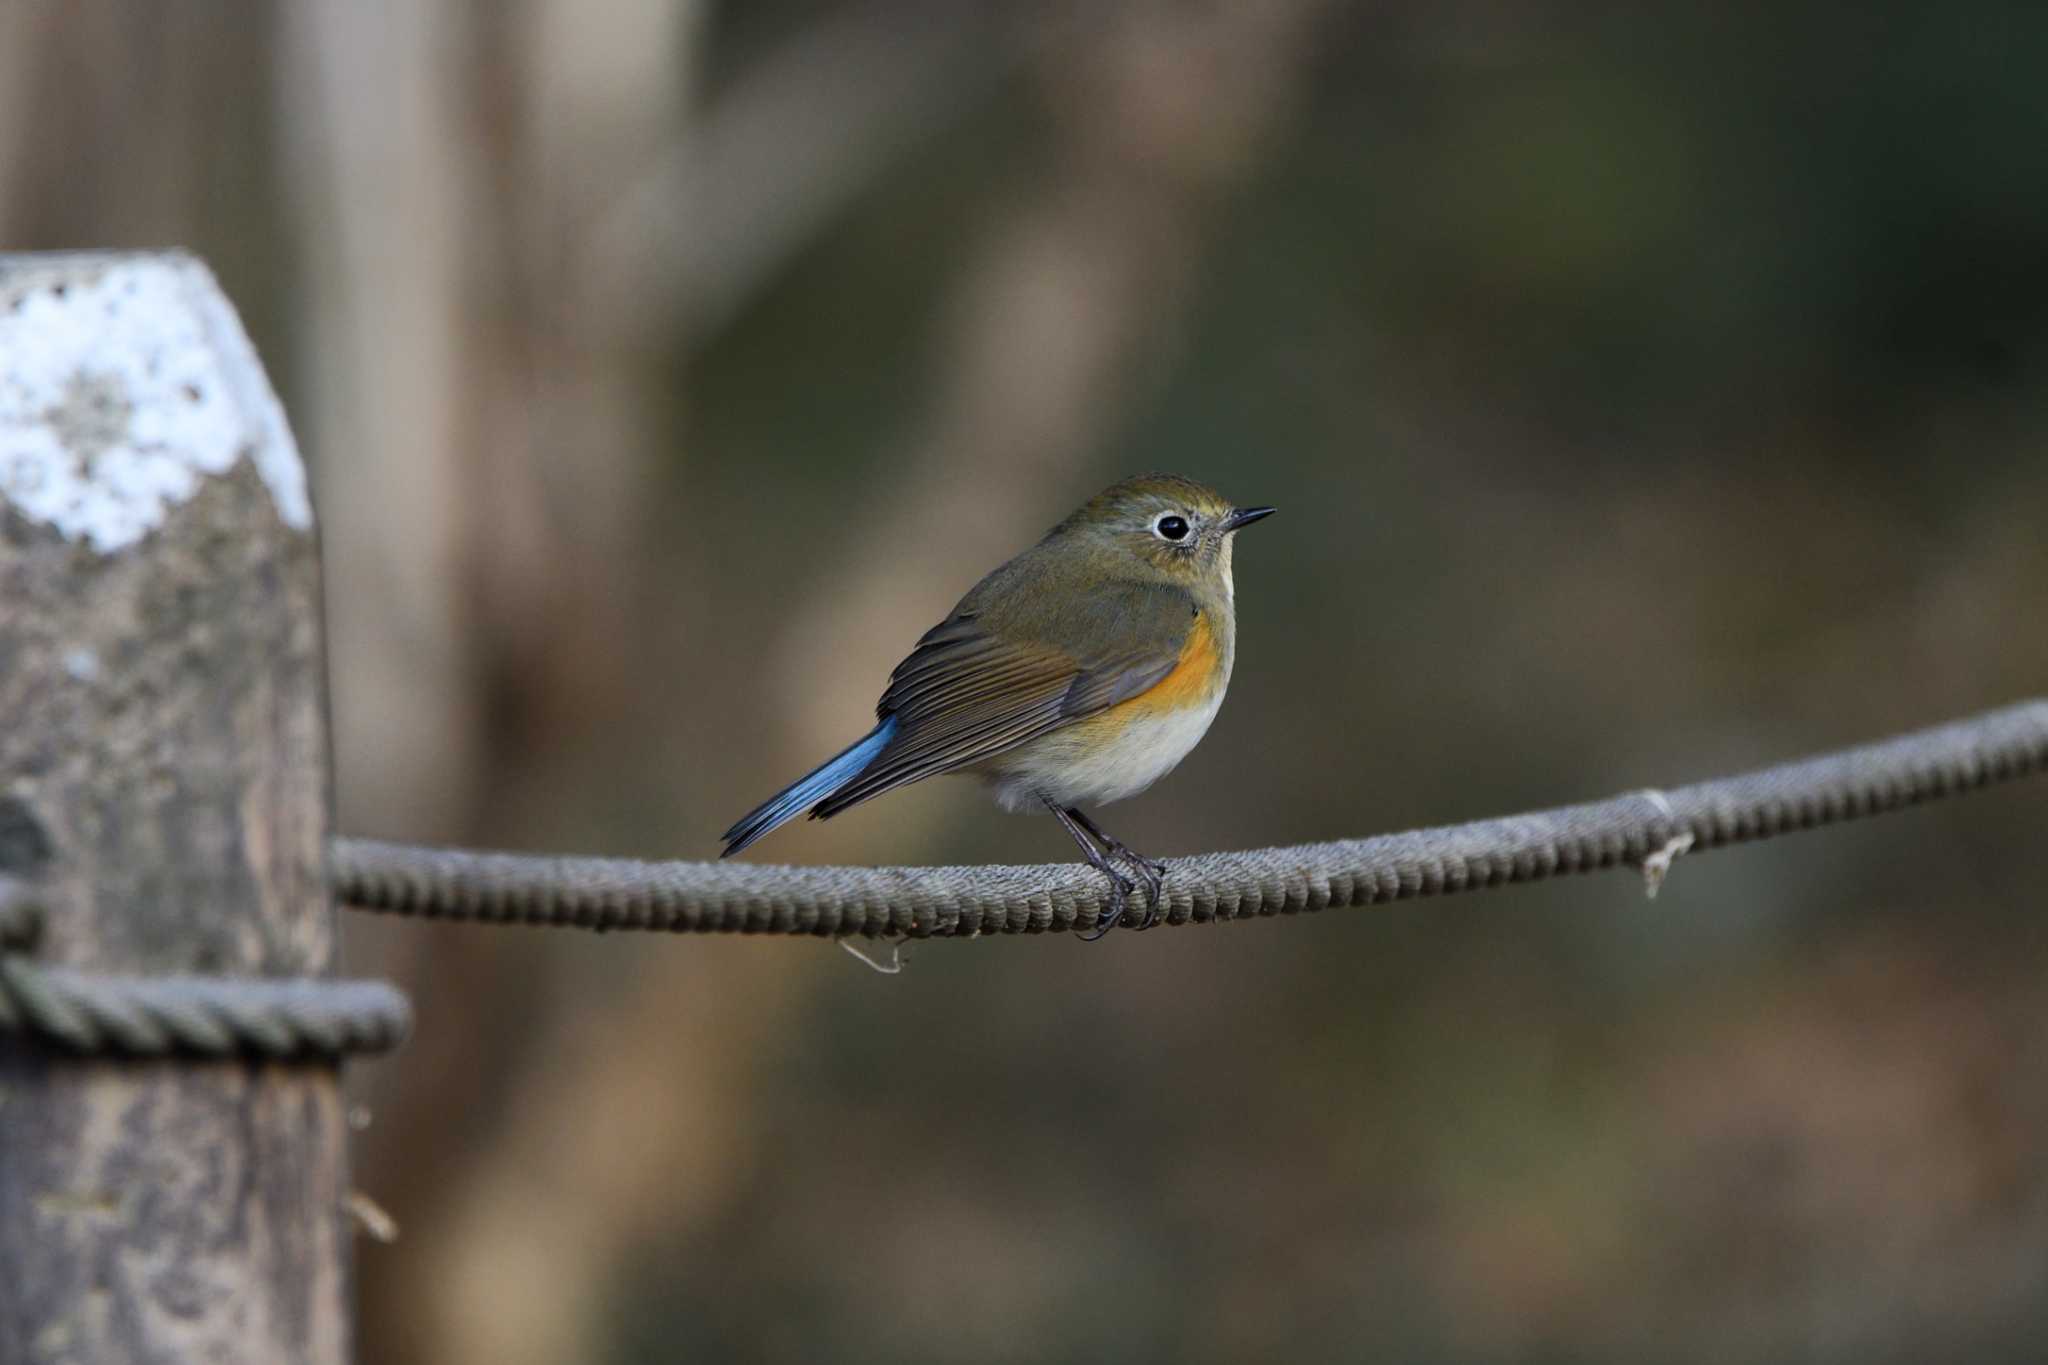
<point x="1245" y="516"/>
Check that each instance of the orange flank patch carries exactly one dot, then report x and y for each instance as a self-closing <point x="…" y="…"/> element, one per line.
<point x="1125" y="749"/>
<point x="1192" y="682"/>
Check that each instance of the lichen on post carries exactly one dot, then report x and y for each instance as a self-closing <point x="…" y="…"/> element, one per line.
<point x="164" y="793"/>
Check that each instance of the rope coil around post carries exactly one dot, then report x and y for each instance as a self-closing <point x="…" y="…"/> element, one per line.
<point x="931" y="902"/>
<point x="136" y="1016"/>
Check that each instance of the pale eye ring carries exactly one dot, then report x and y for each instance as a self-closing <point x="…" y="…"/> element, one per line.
<point x="1170" y="526"/>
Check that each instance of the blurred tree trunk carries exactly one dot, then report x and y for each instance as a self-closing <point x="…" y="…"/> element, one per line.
<point x="485" y="432"/>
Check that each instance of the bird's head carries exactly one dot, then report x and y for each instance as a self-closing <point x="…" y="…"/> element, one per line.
<point x="1164" y="526"/>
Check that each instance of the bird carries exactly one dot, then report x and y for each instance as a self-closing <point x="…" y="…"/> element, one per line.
<point x="1078" y="673"/>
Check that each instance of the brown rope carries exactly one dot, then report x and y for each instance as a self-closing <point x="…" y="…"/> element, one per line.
<point x="922" y="902"/>
<point x="148" y="1016"/>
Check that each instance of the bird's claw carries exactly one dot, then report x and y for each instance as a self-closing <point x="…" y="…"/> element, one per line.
<point x="1123" y="852"/>
<point x="1149" y="874"/>
<point x="1120" y="895"/>
<point x="1106" y="853"/>
<point x="1149" y="871"/>
<point x="1153" y="875"/>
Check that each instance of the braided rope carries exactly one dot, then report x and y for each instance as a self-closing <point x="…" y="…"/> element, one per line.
<point x="927" y="902"/>
<point x="212" y="1016"/>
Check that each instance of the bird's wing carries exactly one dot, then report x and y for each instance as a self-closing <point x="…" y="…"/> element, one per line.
<point x="966" y="694"/>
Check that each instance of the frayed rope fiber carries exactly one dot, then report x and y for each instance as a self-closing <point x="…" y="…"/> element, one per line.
<point x="932" y="902"/>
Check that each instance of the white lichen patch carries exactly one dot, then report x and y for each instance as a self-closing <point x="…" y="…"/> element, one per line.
<point x="124" y="384"/>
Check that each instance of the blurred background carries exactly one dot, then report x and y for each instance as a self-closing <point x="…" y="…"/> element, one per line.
<point x="1649" y="394"/>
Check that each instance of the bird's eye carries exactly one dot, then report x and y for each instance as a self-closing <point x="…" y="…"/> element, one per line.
<point x="1171" y="527"/>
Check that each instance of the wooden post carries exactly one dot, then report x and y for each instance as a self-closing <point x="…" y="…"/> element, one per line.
<point x="164" y="789"/>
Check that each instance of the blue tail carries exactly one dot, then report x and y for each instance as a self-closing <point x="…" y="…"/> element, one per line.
<point x="806" y="792"/>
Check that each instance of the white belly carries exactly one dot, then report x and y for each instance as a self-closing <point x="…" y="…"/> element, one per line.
<point x="1071" y="768"/>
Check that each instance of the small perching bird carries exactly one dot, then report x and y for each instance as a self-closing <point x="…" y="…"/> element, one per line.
<point x="1076" y="674"/>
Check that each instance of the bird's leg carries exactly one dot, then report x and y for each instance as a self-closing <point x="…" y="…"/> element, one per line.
<point x="1120" y="885"/>
<point x="1150" y="871"/>
<point x="1114" y="846"/>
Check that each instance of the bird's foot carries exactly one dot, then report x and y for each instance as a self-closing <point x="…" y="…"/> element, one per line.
<point x="1120" y="888"/>
<point x="1123" y="852"/>
<point x="1151" y="875"/>
<point x="1105" y="852"/>
<point x="1144" y="873"/>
